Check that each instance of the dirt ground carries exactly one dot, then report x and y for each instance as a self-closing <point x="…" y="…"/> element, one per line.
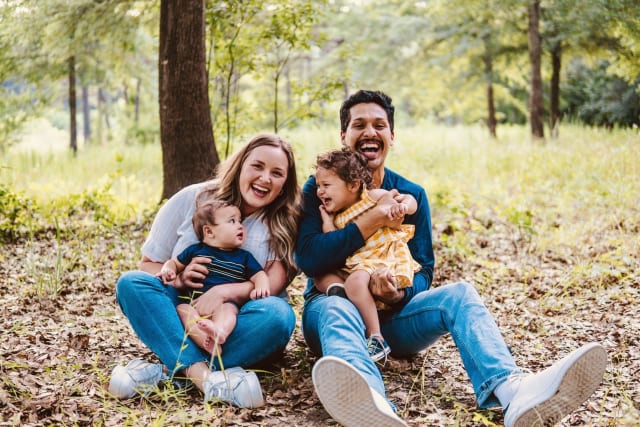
<point x="62" y="333"/>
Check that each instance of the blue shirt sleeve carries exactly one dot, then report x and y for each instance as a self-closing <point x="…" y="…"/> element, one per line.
<point x="187" y="254"/>
<point x="251" y="263"/>
<point x="316" y="252"/>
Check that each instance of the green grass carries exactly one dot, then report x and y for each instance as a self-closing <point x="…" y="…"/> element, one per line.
<point x="564" y="189"/>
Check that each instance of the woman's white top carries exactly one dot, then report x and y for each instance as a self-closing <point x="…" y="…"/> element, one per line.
<point x="172" y="229"/>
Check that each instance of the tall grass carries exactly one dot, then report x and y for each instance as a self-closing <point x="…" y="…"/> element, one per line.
<point x="584" y="176"/>
<point x="131" y="173"/>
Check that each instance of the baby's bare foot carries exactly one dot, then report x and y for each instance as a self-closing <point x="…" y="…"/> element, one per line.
<point x="213" y="331"/>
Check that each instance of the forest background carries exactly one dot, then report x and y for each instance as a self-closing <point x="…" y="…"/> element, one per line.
<point x="519" y="118"/>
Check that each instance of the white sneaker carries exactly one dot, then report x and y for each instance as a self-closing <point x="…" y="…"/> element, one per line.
<point x="235" y="386"/>
<point x="136" y="377"/>
<point x="546" y="397"/>
<point x="347" y="397"/>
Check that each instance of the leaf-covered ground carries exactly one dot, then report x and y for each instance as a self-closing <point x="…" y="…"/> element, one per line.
<point x="62" y="332"/>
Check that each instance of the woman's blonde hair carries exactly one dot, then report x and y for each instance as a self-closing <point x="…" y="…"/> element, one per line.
<point x="282" y="215"/>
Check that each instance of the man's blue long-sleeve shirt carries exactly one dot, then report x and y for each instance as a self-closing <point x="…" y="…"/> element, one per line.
<point x="319" y="253"/>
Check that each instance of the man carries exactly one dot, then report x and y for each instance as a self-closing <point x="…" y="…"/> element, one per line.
<point x="346" y="380"/>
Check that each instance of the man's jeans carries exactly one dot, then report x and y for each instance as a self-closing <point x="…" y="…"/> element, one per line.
<point x="333" y="326"/>
<point x="264" y="325"/>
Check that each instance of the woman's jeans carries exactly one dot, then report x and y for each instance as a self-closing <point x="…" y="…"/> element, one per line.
<point x="264" y="325"/>
<point x="333" y="326"/>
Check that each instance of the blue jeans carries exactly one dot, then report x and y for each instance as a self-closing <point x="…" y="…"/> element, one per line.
<point x="264" y="325"/>
<point x="333" y="326"/>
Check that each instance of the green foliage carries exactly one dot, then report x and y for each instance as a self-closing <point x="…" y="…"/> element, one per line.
<point x="109" y="40"/>
<point x="17" y="107"/>
<point x="17" y="214"/>
<point x="262" y="64"/>
<point x="597" y="98"/>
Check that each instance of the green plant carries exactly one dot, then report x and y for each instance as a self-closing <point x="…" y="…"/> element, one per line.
<point x="17" y="214"/>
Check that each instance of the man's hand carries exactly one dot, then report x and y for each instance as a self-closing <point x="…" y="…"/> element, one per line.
<point x="383" y="287"/>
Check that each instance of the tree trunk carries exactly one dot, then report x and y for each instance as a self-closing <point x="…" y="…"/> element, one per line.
<point x="104" y="102"/>
<point x="488" y="71"/>
<point x="275" y="102"/>
<point x="136" y="105"/>
<point x="556" y="62"/>
<point x="73" y="127"/>
<point x="536" y="103"/>
<point x="188" y="150"/>
<point x="86" y="111"/>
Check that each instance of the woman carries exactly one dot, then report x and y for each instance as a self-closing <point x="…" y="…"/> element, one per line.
<point x="260" y="178"/>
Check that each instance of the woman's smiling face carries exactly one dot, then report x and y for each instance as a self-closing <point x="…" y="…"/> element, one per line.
<point x="262" y="177"/>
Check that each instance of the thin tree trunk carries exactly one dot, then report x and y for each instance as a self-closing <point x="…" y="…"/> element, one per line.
<point x="105" y="110"/>
<point x="275" y="102"/>
<point x="186" y="132"/>
<point x="86" y="111"/>
<point x="136" y="105"/>
<point x="488" y="71"/>
<point x="98" y="122"/>
<point x="556" y="62"/>
<point x="536" y="102"/>
<point x="288" y="90"/>
<point x="73" y="127"/>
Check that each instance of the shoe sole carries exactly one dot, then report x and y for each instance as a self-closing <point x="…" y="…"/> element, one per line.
<point x="578" y="383"/>
<point x="347" y="397"/>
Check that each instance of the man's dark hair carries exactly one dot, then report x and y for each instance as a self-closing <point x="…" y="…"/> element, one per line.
<point x="363" y="97"/>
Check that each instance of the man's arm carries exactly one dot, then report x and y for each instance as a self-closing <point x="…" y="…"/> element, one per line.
<point x="318" y="253"/>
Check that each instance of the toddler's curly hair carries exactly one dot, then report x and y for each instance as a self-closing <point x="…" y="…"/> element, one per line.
<point x="350" y="166"/>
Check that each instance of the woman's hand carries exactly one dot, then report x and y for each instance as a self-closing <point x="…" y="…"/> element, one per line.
<point x="237" y="293"/>
<point x="193" y="274"/>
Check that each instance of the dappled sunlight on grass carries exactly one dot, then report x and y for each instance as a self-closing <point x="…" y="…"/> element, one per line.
<point x="131" y="174"/>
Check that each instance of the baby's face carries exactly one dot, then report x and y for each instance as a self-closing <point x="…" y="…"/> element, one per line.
<point x="334" y="193"/>
<point x="228" y="230"/>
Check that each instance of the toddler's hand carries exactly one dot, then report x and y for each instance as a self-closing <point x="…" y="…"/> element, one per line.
<point x="260" y="292"/>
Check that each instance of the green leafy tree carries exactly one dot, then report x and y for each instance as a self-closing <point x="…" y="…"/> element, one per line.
<point x="55" y="41"/>
<point x="232" y="39"/>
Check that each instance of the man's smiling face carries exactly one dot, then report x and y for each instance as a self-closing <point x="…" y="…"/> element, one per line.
<point x="369" y="133"/>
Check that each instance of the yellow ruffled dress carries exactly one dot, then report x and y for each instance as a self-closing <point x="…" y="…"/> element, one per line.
<point x="387" y="247"/>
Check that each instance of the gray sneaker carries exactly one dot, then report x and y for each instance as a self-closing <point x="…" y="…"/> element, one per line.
<point x="347" y="397"/>
<point x="136" y="377"/>
<point x="235" y="386"/>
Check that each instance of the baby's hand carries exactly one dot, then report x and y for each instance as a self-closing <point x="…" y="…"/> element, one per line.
<point x="327" y="220"/>
<point x="167" y="275"/>
<point x="260" y="292"/>
<point x="397" y="211"/>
